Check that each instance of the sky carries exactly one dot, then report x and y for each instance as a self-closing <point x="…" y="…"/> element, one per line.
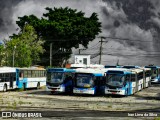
<point x="141" y="48"/>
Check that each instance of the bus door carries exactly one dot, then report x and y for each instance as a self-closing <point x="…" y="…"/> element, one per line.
<point x="144" y="78"/>
<point x="11" y="79"/>
<point x="128" y="80"/>
<point x="137" y="82"/>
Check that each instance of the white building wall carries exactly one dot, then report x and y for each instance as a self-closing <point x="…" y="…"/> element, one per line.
<point x="82" y="59"/>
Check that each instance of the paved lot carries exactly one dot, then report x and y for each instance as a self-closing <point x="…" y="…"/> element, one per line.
<point x="86" y="107"/>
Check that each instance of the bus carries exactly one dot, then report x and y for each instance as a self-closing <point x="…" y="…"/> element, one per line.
<point x="155" y="73"/>
<point x="7" y="78"/>
<point x="126" y="81"/>
<point x="88" y="81"/>
<point x="30" y="78"/>
<point x="12" y="78"/>
<point x="60" y="80"/>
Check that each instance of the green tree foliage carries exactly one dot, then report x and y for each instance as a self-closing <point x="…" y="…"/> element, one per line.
<point x="25" y="47"/>
<point x="65" y="28"/>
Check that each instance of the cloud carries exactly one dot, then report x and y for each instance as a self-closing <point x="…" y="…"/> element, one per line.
<point x="108" y="13"/>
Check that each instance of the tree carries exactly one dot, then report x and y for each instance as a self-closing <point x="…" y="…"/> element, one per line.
<point x="65" y="28"/>
<point x="24" y="48"/>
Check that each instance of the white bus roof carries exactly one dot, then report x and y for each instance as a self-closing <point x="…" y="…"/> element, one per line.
<point x="95" y="66"/>
<point x="90" y="70"/>
<point x="31" y="68"/>
<point x="137" y="70"/>
<point x="134" y="70"/>
<point x="87" y="66"/>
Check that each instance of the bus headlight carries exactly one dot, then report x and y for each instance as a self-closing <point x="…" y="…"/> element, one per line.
<point x="87" y="85"/>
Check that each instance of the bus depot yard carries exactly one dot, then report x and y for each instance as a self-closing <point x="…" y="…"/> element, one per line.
<point x="147" y="100"/>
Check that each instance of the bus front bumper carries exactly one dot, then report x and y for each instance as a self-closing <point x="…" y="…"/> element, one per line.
<point x="90" y="91"/>
<point x="59" y="89"/>
<point x="114" y="91"/>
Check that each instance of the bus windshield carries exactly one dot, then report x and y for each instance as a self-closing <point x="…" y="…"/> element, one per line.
<point x="57" y="77"/>
<point x="154" y="74"/>
<point x="116" y="80"/>
<point x="84" y="80"/>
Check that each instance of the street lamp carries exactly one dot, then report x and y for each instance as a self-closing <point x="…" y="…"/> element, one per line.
<point x="13" y="54"/>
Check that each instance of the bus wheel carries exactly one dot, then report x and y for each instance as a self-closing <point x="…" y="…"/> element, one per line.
<point x="38" y="85"/>
<point x="5" y="88"/>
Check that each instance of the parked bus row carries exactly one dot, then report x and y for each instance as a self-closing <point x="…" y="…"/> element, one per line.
<point x="116" y="80"/>
<point x="124" y="80"/>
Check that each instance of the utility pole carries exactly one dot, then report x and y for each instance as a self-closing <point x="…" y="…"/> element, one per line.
<point x="51" y="54"/>
<point x="100" y="49"/>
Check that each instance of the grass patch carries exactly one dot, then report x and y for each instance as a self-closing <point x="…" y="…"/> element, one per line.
<point x="20" y="102"/>
<point x="109" y="106"/>
<point x="14" y="104"/>
<point x="29" y="103"/>
<point x="158" y="118"/>
<point x="19" y="89"/>
<point x="43" y="87"/>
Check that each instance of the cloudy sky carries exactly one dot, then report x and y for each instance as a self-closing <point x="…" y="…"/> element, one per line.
<point x="137" y="46"/>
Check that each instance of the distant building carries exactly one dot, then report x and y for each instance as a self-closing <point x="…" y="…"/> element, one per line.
<point x="82" y="59"/>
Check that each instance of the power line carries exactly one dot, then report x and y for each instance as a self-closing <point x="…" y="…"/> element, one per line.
<point x="117" y="38"/>
<point x="131" y="50"/>
<point x="126" y="39"/>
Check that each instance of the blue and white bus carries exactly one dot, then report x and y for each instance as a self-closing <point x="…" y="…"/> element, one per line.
<point x="89" y="81"/>
<point x="30" y="78"/>
<point x="60" y="80"/>
<point x="12" y="78"/>
<point x="125" y="81"/>
<point x="155" y="75"/>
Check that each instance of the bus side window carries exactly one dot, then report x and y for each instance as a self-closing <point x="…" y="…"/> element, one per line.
<point x="133" y="78"/>
<point x="2" y="77"/>
<point x="127" y="77"/>
<point x="21" y="74"/>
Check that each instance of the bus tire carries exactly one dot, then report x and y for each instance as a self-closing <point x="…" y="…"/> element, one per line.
<point x="5" y="88"/>
<point x="38" y="85"/>
<point x="24" y="86"/>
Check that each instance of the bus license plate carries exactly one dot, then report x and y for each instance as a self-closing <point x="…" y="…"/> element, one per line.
<point x="81" y="91"/>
